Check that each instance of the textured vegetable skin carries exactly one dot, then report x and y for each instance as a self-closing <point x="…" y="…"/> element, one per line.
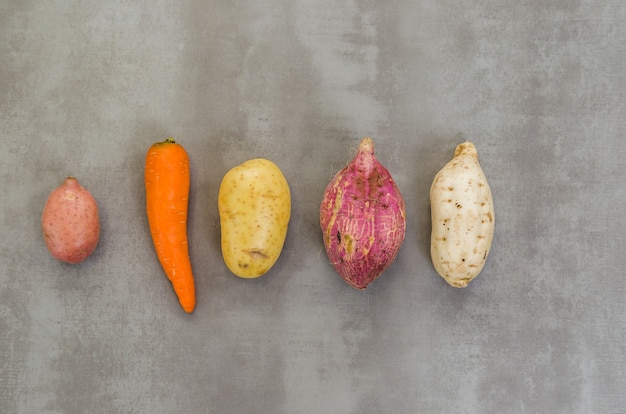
<point x="362" y="216"/>
<point x="462" y="216"/>
<point x="70" y="222"/>
<point x="167" y="180"/>
<point x="254" y="204"/>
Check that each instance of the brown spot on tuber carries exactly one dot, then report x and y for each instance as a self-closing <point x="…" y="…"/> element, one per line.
<point x="256" y="254"/>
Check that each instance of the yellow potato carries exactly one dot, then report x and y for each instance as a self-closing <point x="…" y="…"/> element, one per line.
<point x="254" y="205"/>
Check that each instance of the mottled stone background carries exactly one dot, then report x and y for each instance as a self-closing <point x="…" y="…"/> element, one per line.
<point x="539" y="86"/>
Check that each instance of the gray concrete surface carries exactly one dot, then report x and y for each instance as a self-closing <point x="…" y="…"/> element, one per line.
<point x="539" y="86"/>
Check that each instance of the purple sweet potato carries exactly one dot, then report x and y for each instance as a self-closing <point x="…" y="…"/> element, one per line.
<point x="362" y="217"/>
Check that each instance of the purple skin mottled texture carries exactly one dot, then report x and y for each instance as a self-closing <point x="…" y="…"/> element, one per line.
<point x="363" y="219"/>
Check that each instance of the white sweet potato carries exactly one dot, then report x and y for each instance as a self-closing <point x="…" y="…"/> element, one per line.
<point x="462" y="216"/>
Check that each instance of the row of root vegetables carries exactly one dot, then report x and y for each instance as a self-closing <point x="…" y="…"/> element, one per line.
<point x="362" y="217"/>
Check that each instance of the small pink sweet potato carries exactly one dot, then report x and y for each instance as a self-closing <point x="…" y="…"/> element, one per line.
<point x="362" y="217"/>
<point x="70" y="222"/>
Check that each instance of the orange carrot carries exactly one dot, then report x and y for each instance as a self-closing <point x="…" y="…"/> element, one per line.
<point x="166" y="178"/>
